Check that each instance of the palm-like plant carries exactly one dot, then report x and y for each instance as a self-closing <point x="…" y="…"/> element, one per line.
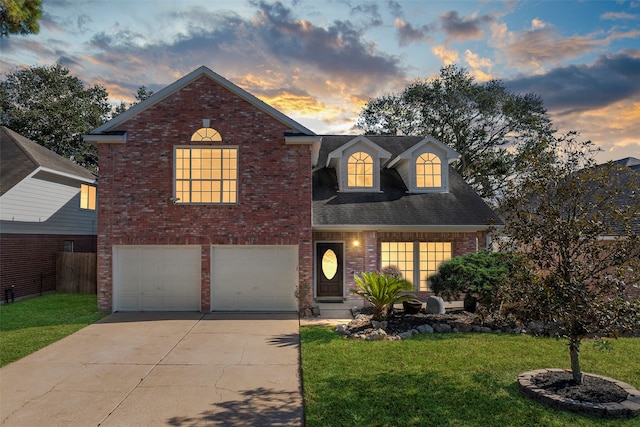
<point x="382" y="291"/>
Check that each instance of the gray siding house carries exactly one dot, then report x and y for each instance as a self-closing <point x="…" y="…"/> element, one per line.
<point x="47" y="205"/>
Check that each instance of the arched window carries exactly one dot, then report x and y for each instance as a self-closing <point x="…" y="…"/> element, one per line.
<point x="206" y="174"/>
<point x="206" y="134"/>
<point x="360" y="170"/>
<point x="428" y="171"/>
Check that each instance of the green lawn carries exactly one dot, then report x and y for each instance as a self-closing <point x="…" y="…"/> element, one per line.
<point x="445" y="379"/>
<point x="28" y="325"/>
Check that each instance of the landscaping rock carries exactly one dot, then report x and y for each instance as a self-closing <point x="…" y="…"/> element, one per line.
<point x="442" y="328"/>
<point x="377" y="335"/>
<point x="535" y="328"/>
<point x="379" y="325"/>
<point x="406" y="335"/>
<point x="435" y="305"/>
<point x="463" y="327"/>
<point x="425" y="329"/>
<point x="342" y="329"/>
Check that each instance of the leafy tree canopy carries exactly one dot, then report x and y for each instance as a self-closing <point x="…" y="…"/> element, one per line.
<point x="20" y="17"/>
<point x="142" y="94"/>
<point x="579" y="225"/>
<point x="51" y="107"/>
<point x="485" y="123"/>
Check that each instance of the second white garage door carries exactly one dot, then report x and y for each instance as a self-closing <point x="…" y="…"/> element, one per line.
<point x="254" y="278"/>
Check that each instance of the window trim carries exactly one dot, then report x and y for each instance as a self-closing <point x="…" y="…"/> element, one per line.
<point x="190" y="147"/>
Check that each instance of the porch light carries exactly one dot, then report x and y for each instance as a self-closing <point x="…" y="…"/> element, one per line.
<point x="356" y="243"/>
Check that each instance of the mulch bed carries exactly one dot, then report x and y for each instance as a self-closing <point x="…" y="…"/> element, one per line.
<point x="592" y="389"/>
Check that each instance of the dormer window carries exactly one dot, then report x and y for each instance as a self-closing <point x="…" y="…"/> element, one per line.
<point x="424" y="167"/>
<point x="428" y="171"/>
<point x="357" y="164"/>
<point x="360" y="170"/>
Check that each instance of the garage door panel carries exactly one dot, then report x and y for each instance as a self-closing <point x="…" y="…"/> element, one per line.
<point x="254" y="278"/>
<point x="157" y="278"/>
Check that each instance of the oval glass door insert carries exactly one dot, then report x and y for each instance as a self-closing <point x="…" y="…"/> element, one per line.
<point x="329" y="264"/>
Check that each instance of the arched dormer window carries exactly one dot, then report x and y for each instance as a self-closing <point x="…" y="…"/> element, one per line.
<point x="206" y="134"/>
<point x="360" y="170"/>
<point x="428" y="171"/>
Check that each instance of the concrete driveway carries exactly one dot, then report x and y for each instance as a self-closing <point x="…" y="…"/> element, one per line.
<point x="178" y="369"/>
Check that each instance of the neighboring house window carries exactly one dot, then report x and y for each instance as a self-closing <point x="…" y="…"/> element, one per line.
<point x="416" y="260"/>
<point x="206" y="174"/>
<point x="360" y="170"/>
<point x="428" y="171"/>
<point x="68" y="246"/>
<point x="87" y="197"/>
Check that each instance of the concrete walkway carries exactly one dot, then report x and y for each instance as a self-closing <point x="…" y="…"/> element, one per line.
<point x="145" y="369"/>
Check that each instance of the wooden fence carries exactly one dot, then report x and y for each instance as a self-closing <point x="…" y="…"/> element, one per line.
<point x="76" y="273"/>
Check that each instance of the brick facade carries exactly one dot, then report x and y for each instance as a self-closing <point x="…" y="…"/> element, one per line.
<point x="136" y="185"/>
<point x="32" y="278"/>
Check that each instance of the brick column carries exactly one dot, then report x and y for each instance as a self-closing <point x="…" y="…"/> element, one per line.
<point x="370" y="244"/>
<point x="205" y="279"/>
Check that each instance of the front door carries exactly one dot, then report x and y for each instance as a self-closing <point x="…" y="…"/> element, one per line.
<point x="329" y="269"/>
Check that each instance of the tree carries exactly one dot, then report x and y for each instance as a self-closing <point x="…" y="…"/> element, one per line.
<point x="20" y="17"/>
<point x="142" y="94"/>
<point x="579" y="226"/>
<point x="49" y="106"/>
<point x="486" y="124"/>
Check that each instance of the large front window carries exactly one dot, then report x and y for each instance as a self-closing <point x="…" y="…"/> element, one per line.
<point x="206" y="174"/>
<point x="360" y="170"/>
<point x="415" y="260"/>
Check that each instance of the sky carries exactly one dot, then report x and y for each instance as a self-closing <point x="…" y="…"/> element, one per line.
<point x="320" y="61"/>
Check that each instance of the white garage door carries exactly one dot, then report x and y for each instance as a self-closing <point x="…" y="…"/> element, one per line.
<point x="156" y="278"/>
<point x="254" y="278"/>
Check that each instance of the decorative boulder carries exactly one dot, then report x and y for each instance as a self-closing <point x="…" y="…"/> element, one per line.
<point x="412" y="306"/>
<point x="435" y="305"/>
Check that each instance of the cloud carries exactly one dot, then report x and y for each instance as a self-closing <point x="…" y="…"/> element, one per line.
<point x="615" y="16"/>
<point x="447" y="56"/>
<point x="395" y="9"/>
<point x="407" y="34"/>
<point x="608" y="80"/>
<point x="614" y="128"/>
<point x="371" y="13"/>
<point x="600" y="100"/>
<point x="459" y="28"/>
<point x="541" y="44"/>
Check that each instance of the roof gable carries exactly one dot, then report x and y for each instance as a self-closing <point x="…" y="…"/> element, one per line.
<point x="203" y="71"/>
<point x="427" y="144"/>
<point x="363" y="141"/>
<point x="20" y="157"/>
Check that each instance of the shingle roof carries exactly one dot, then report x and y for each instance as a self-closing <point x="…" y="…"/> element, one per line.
<point x="20" y="156"/>
<point x="630" y="162"/>
<point x="393" y="206"/>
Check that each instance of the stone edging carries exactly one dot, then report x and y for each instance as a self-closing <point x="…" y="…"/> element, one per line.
<point x="628" y="408"/>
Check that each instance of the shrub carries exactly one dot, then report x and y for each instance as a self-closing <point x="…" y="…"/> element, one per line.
<point x="476" y="274"/>
<point x="382" y="291"/>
